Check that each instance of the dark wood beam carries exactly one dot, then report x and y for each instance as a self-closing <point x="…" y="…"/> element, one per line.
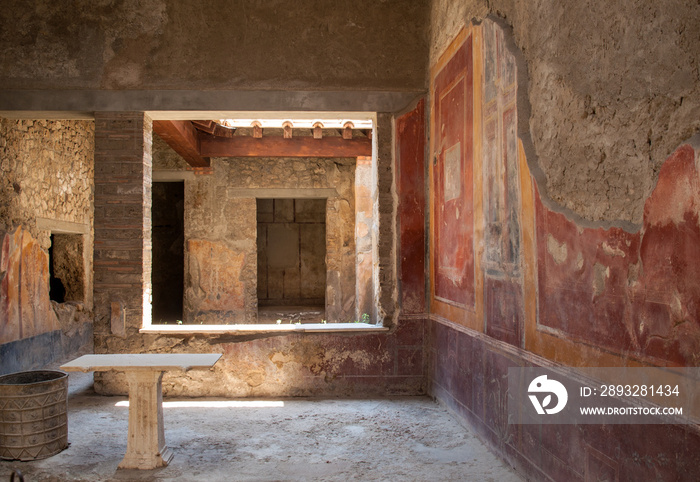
<point x="183" y="138"/>
<point x="246" y="146"/>
<point x="208" y="126"/>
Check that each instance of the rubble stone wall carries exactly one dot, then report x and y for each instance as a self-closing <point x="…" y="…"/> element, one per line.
<point x="46" y="185"/>
<point x="46" y="171"/>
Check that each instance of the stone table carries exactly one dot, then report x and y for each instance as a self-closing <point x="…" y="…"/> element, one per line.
<point x="145" y="448"/>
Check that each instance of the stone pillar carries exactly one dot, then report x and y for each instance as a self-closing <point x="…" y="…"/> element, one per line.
<point x="122" y="248"/>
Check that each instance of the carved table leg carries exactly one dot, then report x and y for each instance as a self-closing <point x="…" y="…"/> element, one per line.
<point x="145" y="447"/>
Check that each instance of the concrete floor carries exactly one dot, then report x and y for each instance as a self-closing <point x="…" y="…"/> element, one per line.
<point x="407" y="439"/>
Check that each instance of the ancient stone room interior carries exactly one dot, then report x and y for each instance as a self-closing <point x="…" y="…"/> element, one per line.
<point x="349" y="240"/>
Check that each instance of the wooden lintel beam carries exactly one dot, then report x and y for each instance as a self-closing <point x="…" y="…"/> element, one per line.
<point x="184" y="139"/>
<point x="246" y="146"/>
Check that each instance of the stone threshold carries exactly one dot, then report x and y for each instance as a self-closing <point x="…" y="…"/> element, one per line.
<point x="266" y="328"/>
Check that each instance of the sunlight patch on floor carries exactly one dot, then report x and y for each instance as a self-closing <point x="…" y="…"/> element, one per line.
<point x="216" y="404"/>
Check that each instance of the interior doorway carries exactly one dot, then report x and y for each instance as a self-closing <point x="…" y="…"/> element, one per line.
<point x="168" y="207"/>
<point x="291" y="245"/>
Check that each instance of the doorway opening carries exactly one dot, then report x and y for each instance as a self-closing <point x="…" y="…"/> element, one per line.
<point x="168" y="241"/>
<point x="291" y="246"/>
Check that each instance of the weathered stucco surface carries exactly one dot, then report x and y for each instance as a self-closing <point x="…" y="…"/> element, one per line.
<point x="159" y="44"/>
<point x="291" y="365"/>
<point x="25" y="309"/>
<point x="447" y="18"/>
<point x="614" y="88"/>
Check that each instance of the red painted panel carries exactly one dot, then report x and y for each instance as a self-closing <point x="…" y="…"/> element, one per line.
<point x="453" y="187"/>
<point x="410" y="157"/>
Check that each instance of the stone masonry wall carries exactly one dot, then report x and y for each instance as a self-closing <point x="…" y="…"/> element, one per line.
<point x="387" y="302"/>
<point x="220" y="234"/>
<point x="45" y="171"/>
<point x="316" y="364"/>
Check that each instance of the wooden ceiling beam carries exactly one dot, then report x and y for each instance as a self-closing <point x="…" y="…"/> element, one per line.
<point x="208" y="126"/>
<point x="184" y="139"/>
<point x="246" y="146"/>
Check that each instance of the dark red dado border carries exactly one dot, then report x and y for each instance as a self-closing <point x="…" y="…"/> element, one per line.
<point x="467" y="371"/>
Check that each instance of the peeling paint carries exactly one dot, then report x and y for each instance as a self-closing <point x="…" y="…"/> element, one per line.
<point x="601" y="273"/>
<point x="558" y="251"/>
<point x="612" y="251"/>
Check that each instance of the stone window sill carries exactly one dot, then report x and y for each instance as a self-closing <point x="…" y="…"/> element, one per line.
<point x="265" y="328"/>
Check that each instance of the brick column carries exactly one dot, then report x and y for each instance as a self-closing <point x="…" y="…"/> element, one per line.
<point x="122" y="249"/>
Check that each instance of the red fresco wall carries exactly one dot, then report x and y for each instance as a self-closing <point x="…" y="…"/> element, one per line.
<point x="410" y="173"/>
<point x="636" y="294"/>
<point x="553" y="291"/>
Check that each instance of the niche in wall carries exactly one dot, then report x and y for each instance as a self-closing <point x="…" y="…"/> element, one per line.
<point x="66" y="269"/>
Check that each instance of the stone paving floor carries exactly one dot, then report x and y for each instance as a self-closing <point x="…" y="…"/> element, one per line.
<point x="395" y="439"/>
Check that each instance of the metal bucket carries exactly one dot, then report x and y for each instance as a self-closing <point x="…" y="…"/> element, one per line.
<point x="33" y="415"/>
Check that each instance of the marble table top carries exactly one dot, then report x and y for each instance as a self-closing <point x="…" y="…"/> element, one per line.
<point x="142" y="361"/>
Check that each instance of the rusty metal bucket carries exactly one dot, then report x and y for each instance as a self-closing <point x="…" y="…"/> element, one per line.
<point x="33" y="414"/>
